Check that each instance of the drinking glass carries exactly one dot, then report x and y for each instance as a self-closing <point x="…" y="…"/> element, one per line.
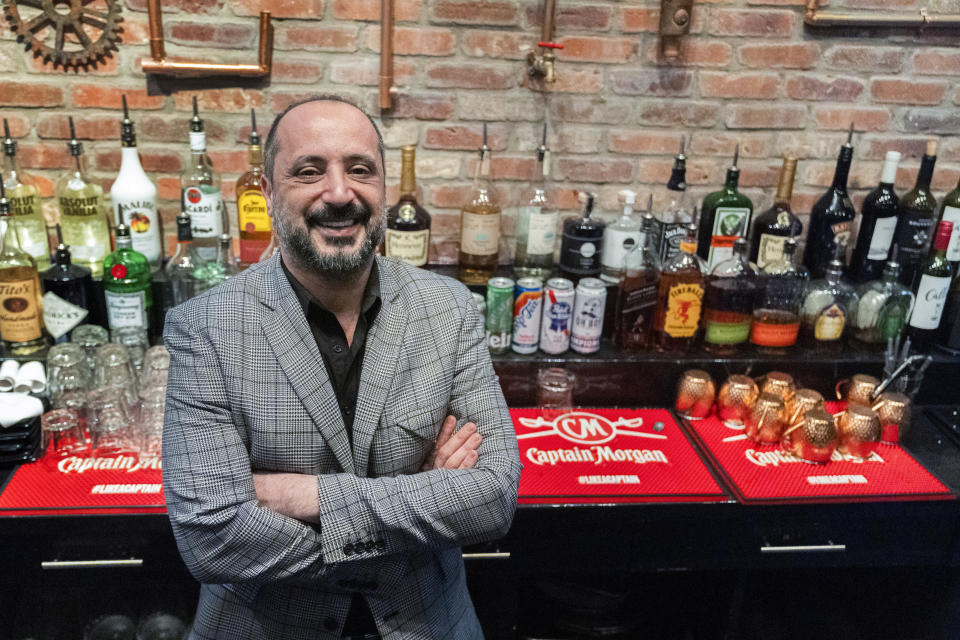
<point x="136" y="342"/>
<point x="113" y="367"/>
<point x="89" y="337"/>
<point x="156" y="364"/>
<point x="151" y="420"/>
<point x="555" y="392"/>
<point x="67" y="369"/>
<point x="110" y="419"/>
<point x="62" y="434"/>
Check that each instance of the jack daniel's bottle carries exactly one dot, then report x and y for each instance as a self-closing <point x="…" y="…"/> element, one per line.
<point x="408" y="224"/>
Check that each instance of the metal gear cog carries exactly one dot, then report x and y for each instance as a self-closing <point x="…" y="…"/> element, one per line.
<point x="70" y="33"/>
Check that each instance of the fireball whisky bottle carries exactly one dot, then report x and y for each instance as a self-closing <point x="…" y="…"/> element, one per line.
<point x="677" y="319"/>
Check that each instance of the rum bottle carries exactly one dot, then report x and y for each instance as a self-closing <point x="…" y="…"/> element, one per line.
<point x="677" y="319"/>
<point x="776" y="312"/>
<point x="408" y="224"/>
<point x="826" y="307"/>
<point x="28" y="223"/>
<point x="582" y="243"/>
<point x="619" y="239"/>
<point x="126" y="284"/>
<point x="883" y="307"/>
<point x="200" y="194"/>
<point x="772" y="227"/>
<point x="728" y="302"/>
<point x="724" y="217"/>
<point x="877" y="225"/>
<point x="932" y="292"/>
<point x="918" y="213"/>
<point x="675" y="213"/>
<point x="69" y="300"/>
<point x="831" y="219"/>
<point x="253" y="219"/>
<point x="537" y="224"/>
<point x="480" y="226"/>
<point x="637" y="292"/>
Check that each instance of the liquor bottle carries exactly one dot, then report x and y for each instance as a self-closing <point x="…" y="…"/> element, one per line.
<point x="200" y="192"/>
<point x="270" y="249"/>
<point x="827" y="303"/>
<point x="676" y="320"/>
<point x="949" y="339"/>
<point x="918" y="213"/>
<point x="950" y="212"/>
<point x="408" y="224"/>
<point x="831" y="218"/>
<point x="637" y="292"/>
<point x="877" y="224"/>
<point x="480" y="226"/>
<point x="187" y="271"/>
<point x="253" y="219"/>
<point x="134" y="197"/>
<point x="82" y="214"/>
<point x="675" y="214"/>
<point x="883" y="307"/>
<point x="728" y="302"/>
<point x="69" y="300"/>
<point x="772" y="227"/>
<point x="21" y="318"/>
<point x="126" y="284"/>
<point x="24" y="197"/>
<point x="582" y="243"/>
<point x="619" y="239"/>
<point x="225" y="267"/>
<point x="724" y="217"/>
<point x="776" y="312"/>
<point x="932" y="292"/>
<point x="537" y="224"/>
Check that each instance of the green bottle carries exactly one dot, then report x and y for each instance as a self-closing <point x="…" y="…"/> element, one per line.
<point x="950" y="212"/>
<point x="126" y="284"/>
<point x="724" y="217"/>
<point x="30" y="229"/>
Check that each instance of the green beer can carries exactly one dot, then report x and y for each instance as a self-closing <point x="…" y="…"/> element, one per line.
<point x="499" y="318"/>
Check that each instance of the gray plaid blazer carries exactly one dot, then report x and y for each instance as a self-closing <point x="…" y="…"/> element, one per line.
<point x="248" y="390"/>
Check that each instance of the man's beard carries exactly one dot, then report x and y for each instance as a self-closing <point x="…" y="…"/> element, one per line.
<point x="297" y="242"/>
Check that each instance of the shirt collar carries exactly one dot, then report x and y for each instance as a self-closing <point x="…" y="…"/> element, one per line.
<point x="371" y="293"/>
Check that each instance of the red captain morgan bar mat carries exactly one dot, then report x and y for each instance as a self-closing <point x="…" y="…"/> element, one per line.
<point x="82" y="485"/>
<point x="765" y="474"/>
<point x="592" y="456"/>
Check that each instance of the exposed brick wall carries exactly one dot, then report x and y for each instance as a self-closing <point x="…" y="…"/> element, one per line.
<point x="750" y="72"/>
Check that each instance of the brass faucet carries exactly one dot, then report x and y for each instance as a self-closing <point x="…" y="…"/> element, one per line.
<point x="543" y="64"/>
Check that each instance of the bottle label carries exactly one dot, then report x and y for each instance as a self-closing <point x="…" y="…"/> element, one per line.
<point x="141" y="216"/>
<point x="767" y="334"/>
<point x="913" y="236"/>
<point x="617" y="244"/>
<point x="952" y="214"/>
<point x="683" y="310"/>
<point x="480" y="234"/>
<point x="729" y="223"/>
<point x="24" y="201"/>
<point x="727" y="332"/>
<point x="60" y="316"/>
<point x="128" y="309"/>
<point x="82" y="207"/>
<point x="252" y="212"/>
<point x="198" y="141"/>
<point x="842" y="232"/>
<point x="204" y="205"/>
<point x="541" y="230"/>
<point x="580" y="255"/>
<point x="667" y="238"/>
<point x="829" y="323"/>
<point x="770" y="250"/>
<point x="410" y="246"/>
<point x="19" y="311"/>
<point x="931" y="298"/>
<point x="882" y="238"/>
<point x="636" y="315"/>
<point x="893" y="319"/>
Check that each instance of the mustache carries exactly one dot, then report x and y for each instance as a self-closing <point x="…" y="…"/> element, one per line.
<point x="334" y="212"/>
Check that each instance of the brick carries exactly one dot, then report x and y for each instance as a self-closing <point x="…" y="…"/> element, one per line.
<point x="679" y="113"/>
<point x="593" y="49"/>
<point x="643" y="141"/>
<point x="752" y="22"/>
<point x="156" y="128"/>
<point x="901" y="91"/>
<point x="697" y="53"/>
<point x="759" y="173"/>
<point x="280" y="100"/>
<point x="810" y="144"/>
<point x="658" y="170"/>
<point x="19" y="124"/>
<point x="929" y="120"/>
<point x="651" y="82"/>
<point x="771" y="116"/>
<point x="507" y="167"/>
<point x="168" y="188"/>
<point x="428" y="167"/>
<point x="57" y="126"/>
<point x="569" y="79"/>
<point x="864" y="58"/>
<point x="863" y="118"/>
<point x="414" y="41"/>
<point x="497" y="44"/>
<point x="587" y="110"/>
<point x="484" y="12"/>
<point x="317" y="38"/>
<point x="43" y="156"/>
<point x="490" y="107"/>
<point x="465" y="76"/>
<point x="369" y="10"/>
<point x="29" y="94"/>
<point x="563" y="198"/>
<point x="177" y="6"/>
<point x="222" y="35"/>
<point x="565" y="139"/>
<point x="640" y="20"/>
<point x="937" y="62"/>
<point x="738" y="85"/>
<point x="299" y="9"/>
<point x="296" y="71"/>
<point x="820" y="87"/>
<point x="594" y="170"/>
<point x="454" y="196"/>
<point x="586" y="18"/>
<point x="944" y="178"/>
<point x="102" y="97"/>
<point x="466" y="137"/>
<point x="714" y="143"/>
<point x="233" y="161"/>
<point x="819" y="173"/>
<point x="134" y="31"/>
<point x="397" y="133"/>
<point x="231" y="100"/>
<point x="152" y="160"/>
<point x="780" y="2"/>
<point x="423" y="107"/>
<point x="780" y="56"/>
<point x="876" y="147"/>
<point x="367" y="71"/>
<point x="46" y="186"/>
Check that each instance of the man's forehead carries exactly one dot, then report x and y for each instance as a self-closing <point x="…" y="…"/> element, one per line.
<point x="328" y="115"/>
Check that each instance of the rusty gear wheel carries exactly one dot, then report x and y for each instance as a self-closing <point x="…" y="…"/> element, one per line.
<point x="69" y="33"/>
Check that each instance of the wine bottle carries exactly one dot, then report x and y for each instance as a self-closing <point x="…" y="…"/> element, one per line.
<point x="200" y="194"/>
<point x="537" y="224"/>
<point x="675" y="214"/>
<point x="772" y="227"/>
<point x="918" y="212"/>
<point x="408" y="224"/>
<point x="728" y="302"/>
<point x="253" y="219"/>
<point x="69" y="300"/>
<point x="950" y="212"/>
<point x="582" y="245"/>
<point x="480" y="226"/>
<point x="126" y="283"/>
<point x="677" y="319"/>
<point x="619" y="239"/>
<point x="724" y="217"/>
<point x="877" y="224"/>
<point x="949" y="339"/>
<point x="30" y="228"/>
<point x="932" y="292"/>
<point x="831" y="218"/>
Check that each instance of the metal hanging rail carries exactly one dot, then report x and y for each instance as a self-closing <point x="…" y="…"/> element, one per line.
<point x="387" y="90"/>
<point x="920" y="19"/>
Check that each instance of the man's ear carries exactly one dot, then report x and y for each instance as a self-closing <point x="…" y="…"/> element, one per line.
<point x="267" y="189"/>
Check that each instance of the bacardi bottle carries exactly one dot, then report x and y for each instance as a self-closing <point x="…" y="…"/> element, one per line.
<point x="200" y="194"/>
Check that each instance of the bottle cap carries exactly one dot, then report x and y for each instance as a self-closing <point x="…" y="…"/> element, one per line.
<point x="4" y="203"/>
<point x="890" y="162"/>
<point x="121" y="231"/>
<point x="931" y="147"/>
<point x="944" y="232"/>
<point x="74" y="146"/>
<point x="587" y="199"/>
<point x="196" y="124"/>
<point x="127" y="135"/>
<point x="254" y="136"/>
<point x="627" y="197"/>
<point x="9" y="144"/>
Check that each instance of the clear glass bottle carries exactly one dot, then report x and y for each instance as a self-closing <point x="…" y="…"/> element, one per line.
<point x="619" y="239"/>
<point x="187" y="271"/>
<point x="728" y="302"/>
<point x="537" y="224"/>
<point x="126" y="284"/>
<point x="827" y="303"/>
<point x="69" y="300"/>
<point x="675" y="211"/>
<point x="24" y="197"/>
<point x="582" y="243"/>
<point x="225" y="266"/>
<point x="253" y="219"/>
<point x="480" y="226"/>
<point x="772" y="227"/>
<point x="776" y="311"/>
<point x="82" y="214"/>
<point x="637" y="292"/>
<point x="408" y="224"/>
<point x="200" y="194"/>
<point x="724" y="217"/>
<point x="883" y="306"/>
<point x="678" y="317"/>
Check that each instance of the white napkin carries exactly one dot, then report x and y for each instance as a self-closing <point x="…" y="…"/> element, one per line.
<point x="8" y="374"/>
<point x="15" y="407"/>
<point x="31" y="378"/>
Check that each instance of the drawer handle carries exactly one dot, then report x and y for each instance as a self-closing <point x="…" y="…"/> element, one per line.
<point x="804" y="548"/>
<point x="91" y="564"/>
<point x="493" y="555"/>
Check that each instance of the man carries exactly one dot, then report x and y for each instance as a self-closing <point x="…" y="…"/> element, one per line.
<point x="314" y="481"/>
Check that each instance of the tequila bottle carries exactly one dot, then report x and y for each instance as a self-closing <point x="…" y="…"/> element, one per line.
<point x="724" y="217"/>
<point x="677" y="319"/>
<point x="619" y="239"/>
<point x="480" y="226"/>
<point x="883" y="307"/>
<point x="30" y="228"/>
<point x="408" y="224"/>
<point x="537" y="224"/>
<point x="126" y="284"/>
<point x="69" y="300"/>
<point x="827" y="304"/>
<point x="776" y="311"/>
<point x="200" y="194"/>
<point x="637" y="292"/>
<point x="728" y="302"/>
<point x="253" y="219"/>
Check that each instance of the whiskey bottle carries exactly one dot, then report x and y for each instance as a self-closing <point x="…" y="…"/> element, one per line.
<point x="675" y="213"/>
<point x="69" y="300"/>
<point x="950" y="212"/>
<point x="253" y="219"/>
<point x="126" y="284"/>
<point x="200" y="194"/>
<point x="878" y="222"/>
<point x="728" y="302"/>
<point x="30" y="228"/>
<point x="537" y="224"/>
<point x="637" y="292"/>
<point x="677" y="319"/>
<point x="724" y="217"/>
<point x="480" y="226"/>
<point x="82" y="215"/>
<point x="826" y="307"/>
<point x="582" y="244"/>
<point x="932" y="292"/>
<point x="776" y="312"/>
<point x="883" y="307"/>
<point x="134" y="197"/>
<point x="408" y="224"/>
<point x="918" y="213"/>
<point x="619" y="239"/>
<point x="772" y="227"/>
<point x="831" y="218"/>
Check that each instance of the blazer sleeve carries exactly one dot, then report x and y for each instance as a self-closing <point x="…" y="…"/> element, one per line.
<point x="368" y="517"/>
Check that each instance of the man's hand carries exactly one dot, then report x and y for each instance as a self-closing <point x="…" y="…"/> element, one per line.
<point x="290" y="494"/>
<point x="454" y="450"/>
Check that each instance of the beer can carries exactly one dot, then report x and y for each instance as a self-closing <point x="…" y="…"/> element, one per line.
<point x="588" y="315"/>
<point x="499" y="314"/>
<point x="557" y="314"/>
<point x="481" y="303"/>
<point x="527" y="310"/>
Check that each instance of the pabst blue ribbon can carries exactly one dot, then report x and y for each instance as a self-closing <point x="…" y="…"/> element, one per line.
<point x="588" y="315"/>
<point x="499" y="314"/>
<point x="527" y="309"/>
<point x="557" y="315"/>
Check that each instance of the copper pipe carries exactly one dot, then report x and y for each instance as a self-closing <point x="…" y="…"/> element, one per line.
<point x="549" y="20"/>
<point x="921" y="19"/>
<point x="386" y="55"/>
<point x="159" y="65"/>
